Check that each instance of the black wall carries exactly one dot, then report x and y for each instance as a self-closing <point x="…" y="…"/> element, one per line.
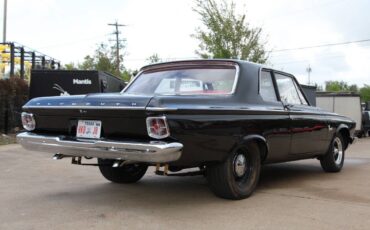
<point x="73" y="81"/>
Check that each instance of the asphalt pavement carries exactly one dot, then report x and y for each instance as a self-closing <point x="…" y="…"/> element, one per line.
<point x="37" y="192"/>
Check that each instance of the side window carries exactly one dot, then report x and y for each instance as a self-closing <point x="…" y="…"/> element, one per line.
<point x="267" y="89"/>
<point x="287" y="89"/>
<point x="303" y="100"/>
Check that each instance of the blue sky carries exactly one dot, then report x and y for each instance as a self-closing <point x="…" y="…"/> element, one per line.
<point x="68" y="30"/>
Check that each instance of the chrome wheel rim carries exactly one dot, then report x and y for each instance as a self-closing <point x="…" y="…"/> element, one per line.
<point x="337" y="150"/>
<point x="240" y="165"/>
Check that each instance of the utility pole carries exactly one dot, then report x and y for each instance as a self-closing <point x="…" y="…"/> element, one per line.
<point x="309" y="70"/>
<point x="4" y="20"/>
<point x="117" y="32"/>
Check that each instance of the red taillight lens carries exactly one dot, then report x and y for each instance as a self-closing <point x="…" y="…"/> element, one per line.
<point x="157" y="127"/>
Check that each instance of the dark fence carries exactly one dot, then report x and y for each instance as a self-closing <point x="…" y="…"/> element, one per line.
<point x="13" y="95"/>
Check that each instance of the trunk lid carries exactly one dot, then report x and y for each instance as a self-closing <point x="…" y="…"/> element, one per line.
<point x="122" y="116"/>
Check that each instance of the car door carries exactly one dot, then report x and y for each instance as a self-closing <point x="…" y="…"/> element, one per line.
<point x="276" y="122"/>
<point x="308" y="127"/>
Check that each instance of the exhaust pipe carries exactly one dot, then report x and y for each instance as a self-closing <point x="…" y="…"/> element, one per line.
<point x="58" y="156"/>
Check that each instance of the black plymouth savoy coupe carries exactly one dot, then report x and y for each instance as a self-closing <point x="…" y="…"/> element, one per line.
<point x="222" y="118"/>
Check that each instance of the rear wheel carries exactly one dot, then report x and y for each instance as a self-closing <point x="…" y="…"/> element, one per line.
<point x="237" y="177"/>
<point x="333" y="160"/>
<point x="129" y="173"/>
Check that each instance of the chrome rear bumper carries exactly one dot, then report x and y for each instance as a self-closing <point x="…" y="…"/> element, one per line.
<point x="150" y="152"/>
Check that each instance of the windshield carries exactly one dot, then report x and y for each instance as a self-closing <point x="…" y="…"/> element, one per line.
<point x="189" y="81"/>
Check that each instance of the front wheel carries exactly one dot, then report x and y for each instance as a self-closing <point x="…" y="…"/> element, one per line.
<point x="333" y="160"/>
<point x="237" y="177"/>
<point x="125" y="174"/>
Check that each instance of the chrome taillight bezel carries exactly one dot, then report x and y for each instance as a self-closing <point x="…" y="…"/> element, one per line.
<point x="156" y="135"/>
<point x="28" y="121"/>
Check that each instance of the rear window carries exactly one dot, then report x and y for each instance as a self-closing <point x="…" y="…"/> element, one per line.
<point x="189" y="81"/>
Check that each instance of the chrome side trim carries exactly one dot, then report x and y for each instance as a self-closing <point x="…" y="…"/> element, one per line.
<point x="82" y="107"/>
<point x="159" y="109"/>
<point x="148" y="152"/>
<point x="154" y="109"/>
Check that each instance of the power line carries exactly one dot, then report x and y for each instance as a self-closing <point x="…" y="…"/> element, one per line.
<point x="318" y="57"/>
<point x="320" y="46"/>
<point x="117" y="32"/>
<point x="281" y="50"/>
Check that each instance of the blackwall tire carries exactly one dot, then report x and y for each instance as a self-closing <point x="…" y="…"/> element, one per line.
<point x="333" y="160"/>
<point x="130" y="173"/>
<point x="229" y="180"/>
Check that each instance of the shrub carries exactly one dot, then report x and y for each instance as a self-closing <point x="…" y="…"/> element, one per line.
<point x="13" y="94"/>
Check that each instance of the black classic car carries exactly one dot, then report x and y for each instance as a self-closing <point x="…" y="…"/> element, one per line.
<point x="219" y="118"/>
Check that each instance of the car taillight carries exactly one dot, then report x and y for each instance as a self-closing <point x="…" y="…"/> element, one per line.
<point x="157" y="127"/>
<point x="28" y="121"/>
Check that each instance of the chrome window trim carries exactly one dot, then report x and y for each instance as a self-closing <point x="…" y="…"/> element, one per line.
<point x="233" y="89"/>
<point x="237" y="74"/>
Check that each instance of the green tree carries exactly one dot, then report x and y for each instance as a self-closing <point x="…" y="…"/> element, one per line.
<point x="365" y="93"/>
<point x="340" y="86"/>
<point x="88" y="63"/>
<point x="128" y="74"/>
<point x="319" y="88"/>
<point x="154" y="58"/>
<point x="353" y="88"/>
<point x="227" y="34"/>
<point x="336" y="86"/>
<point x="70" y="66"/>
<point x="104" y="59"/>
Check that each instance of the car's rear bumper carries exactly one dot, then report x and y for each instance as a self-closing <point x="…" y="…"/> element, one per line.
<point x="150" y="152"/>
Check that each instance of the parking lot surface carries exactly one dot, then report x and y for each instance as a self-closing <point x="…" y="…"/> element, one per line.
<point x="39" y="193"/>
